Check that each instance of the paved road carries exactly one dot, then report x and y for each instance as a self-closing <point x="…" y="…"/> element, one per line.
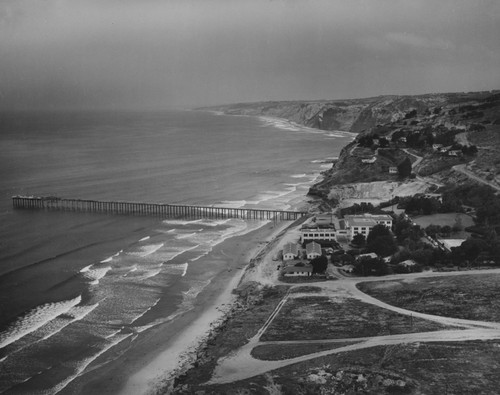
<point x="240" y="364"/>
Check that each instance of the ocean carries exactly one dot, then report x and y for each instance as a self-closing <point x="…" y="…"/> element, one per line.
<point x="74" y="286"/>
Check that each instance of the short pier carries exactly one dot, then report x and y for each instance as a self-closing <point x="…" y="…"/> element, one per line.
<point x="152" y="209"/>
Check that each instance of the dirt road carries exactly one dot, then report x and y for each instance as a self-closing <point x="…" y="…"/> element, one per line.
<point x="241" y="364"/>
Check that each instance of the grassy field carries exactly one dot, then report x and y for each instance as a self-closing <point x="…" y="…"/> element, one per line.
<point x="473" y="297"/>
<point x="319" y="317"/>
<point x="471" y="367"/>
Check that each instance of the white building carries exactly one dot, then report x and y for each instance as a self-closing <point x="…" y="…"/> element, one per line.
<point x="393" y="170"/>
<point x="363" y="224"/>
<point x="295" y="271"/>
<point x="316" y="234"/>
<point x="290" y="251"/>
<point x="313" y="250"/>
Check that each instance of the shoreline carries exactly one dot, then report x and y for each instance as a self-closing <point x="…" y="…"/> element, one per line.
<point x="164" y="352"/>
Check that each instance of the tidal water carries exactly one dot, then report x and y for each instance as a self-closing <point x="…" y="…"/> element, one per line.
<point x="75" y="285"/>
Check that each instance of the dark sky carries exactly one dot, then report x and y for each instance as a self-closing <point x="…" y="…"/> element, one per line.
<point x="166" y="53"/>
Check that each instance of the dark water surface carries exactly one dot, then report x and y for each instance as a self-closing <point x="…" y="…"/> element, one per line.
<point x="73" y="285"/>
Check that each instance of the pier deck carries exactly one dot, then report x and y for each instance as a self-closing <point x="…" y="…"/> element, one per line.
<point x="153" y="209"/>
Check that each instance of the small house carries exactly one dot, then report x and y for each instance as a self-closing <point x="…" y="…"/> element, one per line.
<point x="290" y="251"/>
<point x="393" y="170"/>
<point x="296" y="271"/>
<point x="437" y="147"/>
<point x="402" y="139"/>
<point x="313" y="250"/>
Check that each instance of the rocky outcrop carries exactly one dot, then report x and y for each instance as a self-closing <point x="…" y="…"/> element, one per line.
<point x="380" y="190"/>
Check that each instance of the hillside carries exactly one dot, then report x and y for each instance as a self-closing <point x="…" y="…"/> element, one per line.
<point x="424" y="128"/>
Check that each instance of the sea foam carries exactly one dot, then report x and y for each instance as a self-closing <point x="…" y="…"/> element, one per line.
<point x="35" y="319"/>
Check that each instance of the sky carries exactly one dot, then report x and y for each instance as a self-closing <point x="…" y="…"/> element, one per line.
<point x="159" y="54"/>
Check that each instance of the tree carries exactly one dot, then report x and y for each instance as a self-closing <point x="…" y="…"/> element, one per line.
<point x="359" y="240"/>
<point x="367" y="266"/>
<point x="383" y="142"/>
<point x="404" y="168"/>
<point x="381" y="241"/>
<point x="319" y="264"/>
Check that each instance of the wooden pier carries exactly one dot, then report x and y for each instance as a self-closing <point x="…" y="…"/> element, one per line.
<point x="152" y="209"/>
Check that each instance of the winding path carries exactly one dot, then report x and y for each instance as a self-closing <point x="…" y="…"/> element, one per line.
<point x="241" y="364"/>
<point x="471" y="175"/>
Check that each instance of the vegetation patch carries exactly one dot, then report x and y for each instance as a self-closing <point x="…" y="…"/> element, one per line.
<point x="251" y="312"/>
<point x="472" y="297"/>
<point x="417" y="368"/>
<point x="318" y="317"/>
<point x="277" y="352"/>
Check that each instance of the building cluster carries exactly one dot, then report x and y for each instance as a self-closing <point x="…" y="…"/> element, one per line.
<point x="347" y="227"/>
<point x="292" y="258"/>
<point x="325" y="230"/>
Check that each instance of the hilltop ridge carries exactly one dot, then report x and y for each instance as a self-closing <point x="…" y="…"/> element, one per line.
<point x="390" y="128"/>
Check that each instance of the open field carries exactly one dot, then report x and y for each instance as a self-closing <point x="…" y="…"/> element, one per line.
<point x="418" y="368"/>
<point x="331" y="338"/>
<point x="319" y="317"/>
<point x="415" y="368"/>
<point x="473" y="297"/>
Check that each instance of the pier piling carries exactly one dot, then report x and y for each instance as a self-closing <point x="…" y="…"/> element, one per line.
<point x="150" y="209"/>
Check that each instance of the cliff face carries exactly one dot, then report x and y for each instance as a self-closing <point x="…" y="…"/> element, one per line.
<point x="353" y="115"/>
<point x="440" y="118"/>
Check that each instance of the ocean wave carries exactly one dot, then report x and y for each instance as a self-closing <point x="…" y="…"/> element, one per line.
<point x="234" y="203"/>
<point x="190" y="295"/>
<point x="145" y="311"/>
<point x="213" y="222"/>
<point x="177" y="268"/>
<point x="86" y="269"/>
<point x="299" y="175"/>
<point x="146" y="250"/>
<point x="185" y="235"/>
<point x="83" y="364"/>
<point x="52" y="327"/>
<point x="94" y="275"/>
<point x="179" y="222"/>
<point x="75" y="314"/>
<point x="144" y="238"/>
<point x="35" y="319"/>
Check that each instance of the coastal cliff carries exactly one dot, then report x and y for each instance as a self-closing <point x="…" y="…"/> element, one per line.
<point x="392" y="128"/>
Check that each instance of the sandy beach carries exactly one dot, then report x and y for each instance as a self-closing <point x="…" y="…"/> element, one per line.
<point x="166" y="350"/>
